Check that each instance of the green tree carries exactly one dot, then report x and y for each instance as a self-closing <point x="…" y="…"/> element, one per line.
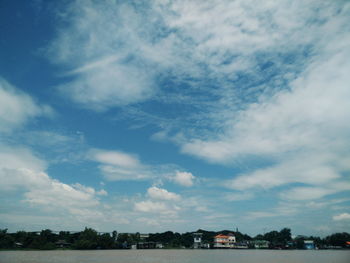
<point x="105" y="241"/>
<point x="187" y="240"/>
<point x="6" y="240"/>
<point x="338" y="239"/>
<point x="299" y="242"/>
<point x="284" y="236"/>
<point x="88" y="239"/>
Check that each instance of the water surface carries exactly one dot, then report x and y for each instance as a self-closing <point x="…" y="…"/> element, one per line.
<point x="176" y="256"/>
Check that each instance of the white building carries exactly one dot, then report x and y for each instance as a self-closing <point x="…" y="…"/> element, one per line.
<point x="225" y="241"/>
<point x="197" y="240"/>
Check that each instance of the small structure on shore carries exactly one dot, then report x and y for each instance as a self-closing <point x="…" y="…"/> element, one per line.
<point x="309" y="244"/>
<point x="260" y="244"/>
<point x="63" y="243"/>
<point x="197" y="240"/>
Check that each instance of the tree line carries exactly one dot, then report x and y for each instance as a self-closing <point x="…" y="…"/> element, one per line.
<point x="91" y="239"/>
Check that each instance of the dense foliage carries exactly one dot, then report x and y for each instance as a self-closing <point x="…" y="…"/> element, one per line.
<point x="91" y="239"/>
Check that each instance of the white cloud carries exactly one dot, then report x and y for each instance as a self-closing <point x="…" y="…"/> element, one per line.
<point x="314" y="171"/>
<point x="162" y="204"/>
<point x="162" y="194"/>
<point x="183" y="178"/>
<point x="311" y="193"/>
<point x="116" y="158"/>
<point x="108" y="86"/>
<point x="305" y="193"/>
<point x="115" y="173"/>
<point x="21" y="170"/>
<point x="156" y="207"/>
<point x="102" y="192"/>
<point x="64" y="196"/>
<point x="121" y="166"/>
<point x="102" y="44"/>
<point x="17" y="107"/>
<point x="116" y="165"/>
<point x="342" y="217"/>
<point x="150" y="206"/>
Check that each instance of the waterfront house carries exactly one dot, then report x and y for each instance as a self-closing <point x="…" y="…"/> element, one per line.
<point x="309" y="244"/>
<point x="260" y="244"/>
<point x="144" y="236"/>
<point x="225" y="241"/>
<point x="18" y="245"/>
<point x="197" y="240"/>
<point x="63" y="244"/>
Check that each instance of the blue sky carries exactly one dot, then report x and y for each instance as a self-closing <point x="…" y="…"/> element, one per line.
<point x="175" y="115"/>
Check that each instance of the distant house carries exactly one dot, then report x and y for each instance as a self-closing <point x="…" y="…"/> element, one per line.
<point x="18" y="245"/>
<point x="146" y="245"/>
<point x="144" y="236"/>
<point x="63" y="244"/>
<point x="224" y="241"/>
<point x="159" y="245"/>
<point x="260" y="244"/>
<point x="197" y="240"/>
<point x="309" y="244"/>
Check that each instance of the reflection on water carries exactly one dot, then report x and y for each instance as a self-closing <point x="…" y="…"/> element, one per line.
<point x="177" y="256"/>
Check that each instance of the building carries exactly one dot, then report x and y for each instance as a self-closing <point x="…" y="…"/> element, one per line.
<point x="260" y="244"/>
<point x="146" y="245"/>
<point x="159" y="245"/>
<point x="144" y="236"/>
<point x="309" y="244"/>
<point x="63" y="244"/>
<point x="197" y="240"/>
<point x="224" y="241"/>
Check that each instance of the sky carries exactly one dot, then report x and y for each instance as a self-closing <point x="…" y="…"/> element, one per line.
<point x="148" y="116"/>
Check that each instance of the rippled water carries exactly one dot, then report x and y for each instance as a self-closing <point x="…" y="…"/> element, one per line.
<point x="177" y="256"/>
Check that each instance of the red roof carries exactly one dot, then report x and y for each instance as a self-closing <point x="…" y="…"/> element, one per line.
<point x="221" y="236"/>
<point x="224" y="236"/>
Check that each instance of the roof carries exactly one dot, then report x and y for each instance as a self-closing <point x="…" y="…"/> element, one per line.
<point x="224" y="236"/>
<point x="221" y="236"/>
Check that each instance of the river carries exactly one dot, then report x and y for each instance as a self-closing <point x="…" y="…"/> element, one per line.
<point x="176" y="256"/>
